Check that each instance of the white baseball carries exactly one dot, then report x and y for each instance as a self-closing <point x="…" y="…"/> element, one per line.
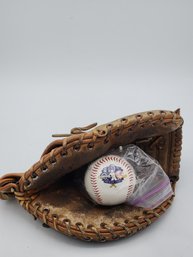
<point x="110" y="180"/>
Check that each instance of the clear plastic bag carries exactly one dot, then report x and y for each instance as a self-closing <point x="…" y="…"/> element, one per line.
<point x="152" y="183"/>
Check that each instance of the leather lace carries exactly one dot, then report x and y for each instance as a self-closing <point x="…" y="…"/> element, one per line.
<point x="77" y="130"/>
<point x="9" y="184"/>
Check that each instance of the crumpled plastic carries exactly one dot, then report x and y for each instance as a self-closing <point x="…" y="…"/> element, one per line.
<point x="153" y="185"/>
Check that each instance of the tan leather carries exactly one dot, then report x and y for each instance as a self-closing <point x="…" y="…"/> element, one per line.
<point x="48" y="189"/>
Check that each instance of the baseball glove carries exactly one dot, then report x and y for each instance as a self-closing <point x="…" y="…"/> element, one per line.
<point x="49" y="192"/>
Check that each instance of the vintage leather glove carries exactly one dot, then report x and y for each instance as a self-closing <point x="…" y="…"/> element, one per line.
<point x="50" y="192"/>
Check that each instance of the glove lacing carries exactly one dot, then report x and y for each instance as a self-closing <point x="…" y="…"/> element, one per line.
<point x="8" y="185"/>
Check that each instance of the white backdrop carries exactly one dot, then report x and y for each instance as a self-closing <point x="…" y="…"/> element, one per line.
<point x="70" y="63"/>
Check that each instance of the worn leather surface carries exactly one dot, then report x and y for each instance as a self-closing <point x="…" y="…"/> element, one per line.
<point x="129" y="129"/>
<point x="68" y="199"/>
<point x="52" y="190"/>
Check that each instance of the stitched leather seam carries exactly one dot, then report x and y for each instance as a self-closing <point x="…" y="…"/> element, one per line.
<point x="137" y="224"/>
<point x="35" y="167"/>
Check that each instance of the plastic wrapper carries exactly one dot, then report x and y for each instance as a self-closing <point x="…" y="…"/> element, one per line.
<point x="152" y="183"/>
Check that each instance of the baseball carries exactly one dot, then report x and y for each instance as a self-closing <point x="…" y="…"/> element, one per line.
<point x="110" y="180"/>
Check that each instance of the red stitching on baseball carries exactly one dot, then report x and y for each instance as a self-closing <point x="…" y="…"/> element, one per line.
<point x="93" y="181"/>
<point x="94" y="185"/>
<point x="93" y="176"/>
<point x="96" y="191"/>
<point x="95" y="188"/>
<point x="95" y="171"/>
<point x="101" y="161"/>
<point x="95" y="167"/>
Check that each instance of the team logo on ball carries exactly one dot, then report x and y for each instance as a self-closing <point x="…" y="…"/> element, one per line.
<point x="112" y="175"/>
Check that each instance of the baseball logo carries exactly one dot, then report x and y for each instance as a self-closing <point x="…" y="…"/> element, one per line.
<point x="110" y="180"/>
<point x="112" y="175"/>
